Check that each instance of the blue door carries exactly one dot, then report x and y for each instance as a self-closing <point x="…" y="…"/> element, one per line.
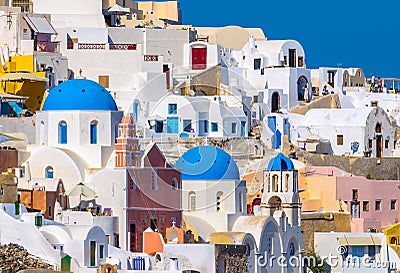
<point x="172" y="125"/>
<point x="243" y="128"/>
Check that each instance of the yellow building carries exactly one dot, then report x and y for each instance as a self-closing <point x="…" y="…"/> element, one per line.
<point x="392" y="234"/>
<point x="18" y="77"/>
<point x="147" y="13"/>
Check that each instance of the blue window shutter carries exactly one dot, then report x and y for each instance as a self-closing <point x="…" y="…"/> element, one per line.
<point x="93" y="133"/>
<point x="62" y="133"/>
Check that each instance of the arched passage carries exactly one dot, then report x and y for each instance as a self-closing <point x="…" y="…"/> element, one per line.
<point x="275" y="102"/>
<point x="302" y="83"/>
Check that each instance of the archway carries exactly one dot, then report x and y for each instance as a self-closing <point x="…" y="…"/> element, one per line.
<point x="275" y="203"/>
<point x="302" y="83"/>
<point x="379" y="144"/>
<point x="275" y="102"/>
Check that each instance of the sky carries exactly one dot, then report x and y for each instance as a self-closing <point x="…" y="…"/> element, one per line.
<point x="348" y="33"/>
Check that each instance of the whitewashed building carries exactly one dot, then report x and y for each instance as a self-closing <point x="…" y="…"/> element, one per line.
<point x="198" y="116"/>
<point x="353" y="131"/>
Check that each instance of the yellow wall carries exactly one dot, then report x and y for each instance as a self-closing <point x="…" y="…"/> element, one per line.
<point x="33" y="90"/>
<point x="393" y="232"/>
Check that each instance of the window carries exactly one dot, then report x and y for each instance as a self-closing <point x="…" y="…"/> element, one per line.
<point x="175" y="184"/>
<point x="50" y="213"/>
<point x="102" y="254"/>
<point x="214" y="126"/>
<point x="286" y="182"/>
<point x="339" y="140"/>
<point x="62" y="132"/>
<point x="257" y="64"/>
<point x="93" y="132"/>
<point x="92" y="254"/>
<point x="365" y="205"/>
<point x="357" y="251"/>
<point x="371" y="252"/>
<point x="219" y="201"/>
<point x="386" y="143"/>
<point x="187" y="125"/>
<point x="206" y="126"/>
<point x="355" y="194"/>
<point x="275" y="183"/>
<point x="378" y="204"/>
<point x="234" y="125"/>
<point x="49" y="172"/>
<point x="159" y="126"/>
<point x="172" y="109"/>
<point x="300" y="62"/>
<point x="241" y="202"/>
<point x="255" y="99"/>
<point x="38" y="221"/>
<point x="374" y="103"/>
<point x="393" y="204"/>
<point x="370" y="143"/>
<point x="192" y="201"/>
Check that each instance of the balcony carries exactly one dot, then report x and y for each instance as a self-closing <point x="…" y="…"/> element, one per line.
<point x="47" y="46"/>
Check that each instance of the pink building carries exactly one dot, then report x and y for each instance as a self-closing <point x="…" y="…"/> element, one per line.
<point x="373" y="204"/>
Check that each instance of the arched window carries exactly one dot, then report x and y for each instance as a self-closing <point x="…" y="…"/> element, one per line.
<point x="275" y="183"/>
<point x="287" y="182"/>
<point x="175" y="184"/>
<point x="49" y="172"/>
<point x="62" y="132"/>
<point x="378" y="128"/>
<point x="219" y="201"/>
<point x="192" y="201"/>
<point x="93" y="132"/>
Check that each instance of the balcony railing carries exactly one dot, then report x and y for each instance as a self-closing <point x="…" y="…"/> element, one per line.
<point x="91" y="46"/>
<point x="150" y="58"/>
<point x="47" y="46"/>
<point x="122" y="47"/>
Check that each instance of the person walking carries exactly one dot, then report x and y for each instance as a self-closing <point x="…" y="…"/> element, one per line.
<point x="380" y="85"/>
<point x="372" y="87"/>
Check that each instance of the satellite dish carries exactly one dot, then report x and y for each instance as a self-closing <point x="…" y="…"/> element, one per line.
<point x="192" y="93"/>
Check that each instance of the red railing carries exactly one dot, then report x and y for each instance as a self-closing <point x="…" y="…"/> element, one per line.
<point x="91" y="46"/>
<point x="122" y="46"/>
<point x="150" y="58"/>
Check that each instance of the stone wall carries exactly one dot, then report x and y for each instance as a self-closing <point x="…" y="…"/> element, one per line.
<point x="329" y="101"/>
<point x="370" y="167"/>
<point x="322" y="222"/>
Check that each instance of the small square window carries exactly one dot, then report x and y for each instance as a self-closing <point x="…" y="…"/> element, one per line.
<point x="378" y="204"/>
<point x="257" y="64"/>
<point x="339" y="140"/>
<point x="365" y="205"/>
<point x="355" y="194"/>
<point x="234" y="125"/>
<point x="172" y="109"/>
<point x="214" y="126"/>
<point x="393" y="204"/>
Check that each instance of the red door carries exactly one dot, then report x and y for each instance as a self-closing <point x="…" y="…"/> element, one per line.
<point x="199" y="58"/>
<point x="166" y="70"/>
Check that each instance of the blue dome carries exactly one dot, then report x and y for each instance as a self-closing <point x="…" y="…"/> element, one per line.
<point x="79" y="94"/>
<point x="207" y="163"/>
<point x="280" y="163"/>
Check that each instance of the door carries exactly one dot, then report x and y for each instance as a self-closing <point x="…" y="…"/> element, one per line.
<point x="172" y="125"/>
<point x="92" y="253"/>
<point x="132" y="235"/>
<point x="378" y="146"/>
<point x="199" y="58"/>
<point x="331" y="78"/>
<point x="166" y="70"/>
<point x="243" y="128"/>
<point x="292" y="57"/>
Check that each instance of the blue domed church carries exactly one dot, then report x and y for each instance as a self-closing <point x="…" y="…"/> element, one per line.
<point x="214" y="208"/>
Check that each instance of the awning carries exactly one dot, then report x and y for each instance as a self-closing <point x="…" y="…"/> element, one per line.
<point x="117" y="10"/>
<point x="359" y="241"/>
<point x="12" y="97"/>
<point x="40" y="24"/>
<point x="19" y="76"/>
